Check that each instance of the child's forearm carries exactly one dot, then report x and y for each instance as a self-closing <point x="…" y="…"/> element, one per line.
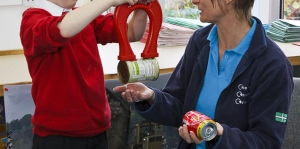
<point x="137" y="25"/>
<point x="76" y="20"/>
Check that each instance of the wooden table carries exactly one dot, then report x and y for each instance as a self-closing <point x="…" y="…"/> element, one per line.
<point x="291" y="51"/>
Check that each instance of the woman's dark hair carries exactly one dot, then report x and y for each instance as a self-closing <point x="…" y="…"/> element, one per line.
<point x="242" y="8"/>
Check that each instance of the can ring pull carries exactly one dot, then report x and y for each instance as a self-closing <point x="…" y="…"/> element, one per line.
<point x="121" y="14"/>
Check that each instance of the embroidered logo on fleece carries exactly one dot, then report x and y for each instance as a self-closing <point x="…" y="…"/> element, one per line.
<point x="281" y="117"/>
<point x="241" y="95"/>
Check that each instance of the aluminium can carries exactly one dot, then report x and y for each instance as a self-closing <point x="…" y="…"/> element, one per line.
<point x="203" y="126"/>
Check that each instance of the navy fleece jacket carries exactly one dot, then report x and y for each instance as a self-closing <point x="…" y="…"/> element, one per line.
<point x="261" y="85"/>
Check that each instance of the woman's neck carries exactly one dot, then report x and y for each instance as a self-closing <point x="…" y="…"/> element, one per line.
<point x="232" y="33"/>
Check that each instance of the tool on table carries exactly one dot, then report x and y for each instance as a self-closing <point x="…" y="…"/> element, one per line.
<point x="129" y="68"/>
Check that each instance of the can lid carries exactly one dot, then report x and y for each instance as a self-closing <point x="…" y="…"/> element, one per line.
<point x="208" y="131"/>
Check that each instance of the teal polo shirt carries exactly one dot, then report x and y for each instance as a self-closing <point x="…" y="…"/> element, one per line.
<point x="217" y="78"/>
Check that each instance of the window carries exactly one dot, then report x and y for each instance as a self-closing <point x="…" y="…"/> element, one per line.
<point x="266" y="10"/>
<point x="180" y="9"/>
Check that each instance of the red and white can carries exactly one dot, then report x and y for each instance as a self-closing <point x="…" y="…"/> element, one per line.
<point x="203" y="126"/>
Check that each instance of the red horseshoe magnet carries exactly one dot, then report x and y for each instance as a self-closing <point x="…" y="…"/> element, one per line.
<point x="121" y="14"/>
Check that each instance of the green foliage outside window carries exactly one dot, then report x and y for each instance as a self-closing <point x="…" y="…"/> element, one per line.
<point x="181" y="9"/>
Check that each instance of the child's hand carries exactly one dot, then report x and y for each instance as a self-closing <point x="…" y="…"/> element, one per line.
<point x="130" y="2"/>
<point x="120" y="2"/>
<point x="145" y="1"/>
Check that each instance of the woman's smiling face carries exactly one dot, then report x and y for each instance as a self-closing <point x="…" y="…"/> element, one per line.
<point x="210" y="10"/>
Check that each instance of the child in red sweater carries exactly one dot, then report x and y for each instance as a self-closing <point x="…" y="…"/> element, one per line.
<point x="72" y="110"/>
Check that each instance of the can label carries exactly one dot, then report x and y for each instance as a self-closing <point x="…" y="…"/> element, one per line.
<point x="203" y="126"/>
<point x="139" y="70"/>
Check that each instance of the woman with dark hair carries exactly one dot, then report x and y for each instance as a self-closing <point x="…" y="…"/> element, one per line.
<point x="230" y="71"/>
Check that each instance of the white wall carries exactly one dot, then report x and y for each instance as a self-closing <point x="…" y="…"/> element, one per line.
<point x="10" y="2"/>
<point x="10" y="27"/>
<point x="11" y="14"/>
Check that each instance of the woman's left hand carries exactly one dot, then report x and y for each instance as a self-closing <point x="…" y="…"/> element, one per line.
<point x="189" y="137"/>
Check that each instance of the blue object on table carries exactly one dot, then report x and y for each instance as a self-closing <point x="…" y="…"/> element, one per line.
<point x="266" y="26"/>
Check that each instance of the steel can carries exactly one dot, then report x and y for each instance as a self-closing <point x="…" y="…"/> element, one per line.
<point x="138" y="70"/>
<point x="203" y="126"/>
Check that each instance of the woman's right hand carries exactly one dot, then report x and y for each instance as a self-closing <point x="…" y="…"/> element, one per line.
<point x="136" y="92"/>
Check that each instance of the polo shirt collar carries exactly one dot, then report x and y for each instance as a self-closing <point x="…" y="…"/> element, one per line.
<point x="52" y="8"/>
<point x="243" y="45"/>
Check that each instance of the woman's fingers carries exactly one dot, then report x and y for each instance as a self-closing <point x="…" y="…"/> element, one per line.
<point x="194" y="138"/>
<point x="188" y="136"/>
<point x="183" y="132"/>
<point x="121" y="88"/>
<point x="134" y="92"/>
<point x="130" y="95"/>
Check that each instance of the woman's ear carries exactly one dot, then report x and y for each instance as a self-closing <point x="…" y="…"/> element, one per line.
<point x="228" y="2"/>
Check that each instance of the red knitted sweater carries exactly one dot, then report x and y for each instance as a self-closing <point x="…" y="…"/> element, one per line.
<point x="67" y="75"/>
